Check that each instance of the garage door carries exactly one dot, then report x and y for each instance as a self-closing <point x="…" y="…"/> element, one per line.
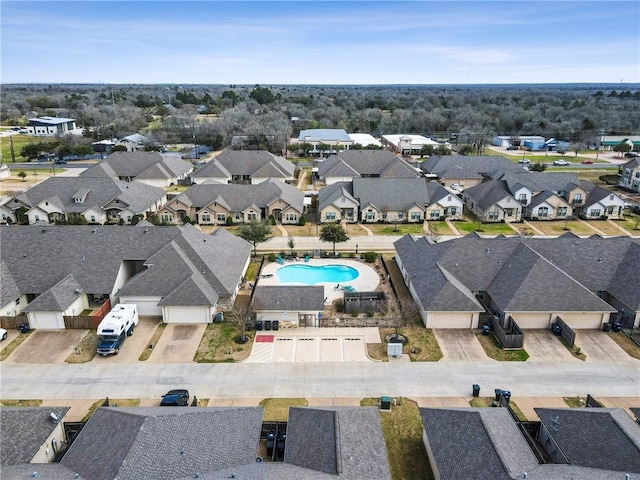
<point x="532" y="320"/>
<point x="46" y="320"/>
<point x="187" y="315"/>
<point x="146" y="305"/>
<point x="451" y="320"/>
<point x="583" y="320"/>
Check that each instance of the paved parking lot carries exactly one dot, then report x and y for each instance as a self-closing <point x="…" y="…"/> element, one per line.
<point x="313" y="345"/>
<point x="135" y="344"/>
<point x="45" y="346"/>
<point x="544" y="346"/>
<point x="458" y="345"/>
<point x="598" y="347"/>
<point x="178" y="344"/>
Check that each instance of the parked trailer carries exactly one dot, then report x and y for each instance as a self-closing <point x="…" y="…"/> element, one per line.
<point x="116" y="327"/>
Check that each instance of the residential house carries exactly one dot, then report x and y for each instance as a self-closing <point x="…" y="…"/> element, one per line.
<point x="245" y="167"/>
<point x="466" y="171"/>
<point x="586" y="443"/>
<point x="152" y="168"/>
<point x="291" y="305"/>
<point x="492" y="202"/>
<point x="409" y="144"/>
<point x="548" y="206"/>
<point x="215" y="204"/>
<point x="630" y="175"/>
<point x="95" y="200"/>
<point x="601" y="202"/>
<point x="52" y="127"/>
<point x="336" y="203"/>
<point x="584" y="281"/>
<point x="350" y="164"/>
<point x="179" y="273"/>
<point x="325" y="140"/>
<point x="133" y="142"/>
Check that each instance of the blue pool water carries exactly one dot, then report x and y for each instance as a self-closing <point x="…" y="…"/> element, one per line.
<point x="310" y="274"/>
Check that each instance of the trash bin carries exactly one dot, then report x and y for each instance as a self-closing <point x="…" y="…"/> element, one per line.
<point x="275" y="325"/>
<point x="486" y="329"/>
<point x="606" y="327"/>
<point x="259" y="325"/>
<point x="557" y="329"/>
<point x="616" y="327"/>
<point x="476" y="390"/>
<point x="498" y="392"/>
<point x="24" y="327"/>
<point x="506" y="394"/>
<point x="267" y="324"/>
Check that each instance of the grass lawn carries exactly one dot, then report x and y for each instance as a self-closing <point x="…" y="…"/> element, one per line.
<point x="19" y="141"/>
<point x="575" y="402"/>
<point x="252" y="270"/>
<point x="86" y="349"/>
<point x="493" y="350"/>
<point x="625" y="343"/>
<point x="9" y="349"/>
<point x="399" y="229"/>
<point x="440" y="228"/>
<point x="402" y="431"/>
<point x="631" y="223"/>
<point x="34" y="175"/>
<point x="556" y="227"/>
<point x="488" y="228"/>
<point x="218" y="340"/>
<point x="146" y="353"/>
<point x="421" y="346"/>
<point x="606" y="227"/>
<point x="176" y="188"/>
<point x="277" y="409"/>
<point x="20" y="403"/>
<point x="482" y="402"/>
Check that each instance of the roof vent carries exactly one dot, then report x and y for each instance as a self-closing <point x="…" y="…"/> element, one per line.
<point x="44" y="230"/>
<point x="53" y="417"/>
<point x="24" y="255"/>
<point x="78" y="291"/>
<point x="146" y="230"/>
<point x="94" y="231"/>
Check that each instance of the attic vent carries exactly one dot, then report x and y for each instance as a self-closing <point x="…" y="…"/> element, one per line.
<point x="44" y="230"/>
<point x="146" y="230"/>
<point x="94" y="231"/>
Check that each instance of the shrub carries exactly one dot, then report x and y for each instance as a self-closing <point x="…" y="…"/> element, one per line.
<point x="370" y="257"/>
<point x="303" y="221"/>
<point x="272" y="220"/>
<point x="370" y="313"/>
<point x="338" y="304"/>
<point x="229" y="221"/>
<point x="355" y="313"/>
<point x="272" y="257"/>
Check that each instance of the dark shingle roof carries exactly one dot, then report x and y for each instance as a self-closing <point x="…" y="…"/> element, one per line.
<point x="23" y="430"/>
<point x="489" y="193"/>
<point x="462" y="166"/>
<point x="594" y="437"/>
<point x="298" y="298"/>
<point x="163" y="443"/>
<point x="146" y="165"/>
<point x="331" y="193"/>
<point x="544" y="181"/>
<point x="391" y="193"/>
<point x="363" y="163"/>
<point x="48" y="471"/>
<point x="255" y="163"/>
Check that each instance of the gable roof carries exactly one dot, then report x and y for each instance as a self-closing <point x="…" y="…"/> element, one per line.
<point x="596" y="194"/>
<point x="542" y="181"/>
<point x="161" y="443"/>
<point x="293" y="297"/>
<point x="391" y="193"/>
<point x="542" y="197"/>
<point x="466" y="166"/>
<point x="58" y="298"/>
<point x="254" y="163"/>
<point x="23" y="430"/>
<point x="489" y="193"/>
<point x="331" y="193"/>
<point x="146" y="165"/>
<point x="363" y="163"/>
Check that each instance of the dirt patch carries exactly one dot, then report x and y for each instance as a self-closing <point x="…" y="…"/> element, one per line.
<point x="85" y="350"/>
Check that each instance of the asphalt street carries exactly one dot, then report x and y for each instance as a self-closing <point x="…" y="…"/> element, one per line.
<point x="327" y="380"/>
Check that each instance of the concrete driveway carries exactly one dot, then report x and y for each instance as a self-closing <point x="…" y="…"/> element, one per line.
<point x="11" y="336"/>
<point x="459" y="345"/>
<point x="544" y="346"/>
<point x="178" y="344"/>
<point x="135" y="344"/>
<point x="47" y="346"/>
<point x="598" y="347"/>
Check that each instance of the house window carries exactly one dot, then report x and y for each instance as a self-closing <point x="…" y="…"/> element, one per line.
<point x="291" y="217"/>
<point x="237" y="217"/>
<point x="206" y="218"/>
<point x="435" y="214"/>
<point x="93" y="218"/>
<point x="370" y="215"/>
<point x="400" y="215"/>
<point x="522" y="198"/>
<point x="384" y="215"/>
<point x="508" y="212"/>
<point x="493" y="215"/>
<point x="627" y="171"/>
<point x="18" y="301"/>
<point x="449" y="198"/>
<point x="129" y="218"/>
<point x="637" y="175"/>
<point x="609" y="210"/>
<point x="636" y="184"/>
<point x="595" y="212"/>
<point x="543" y="212"/>
<point x="166" y="217"/>
<point x="221" y="217"/>
<point x="330" y="216"/>
<point x="251" y="216"/>
<point x="610" y="197"/>
<point x="562" y="211"/>
<point x="577" y="197"/>
<point x="416" y="216"/>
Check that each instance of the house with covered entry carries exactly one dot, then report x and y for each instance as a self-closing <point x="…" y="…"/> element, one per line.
<point x="584" y="281"/>
<point x="245" y="167"/>
<point x="94" y="200"/>
<point x="350" y="164"/>
<point x="213" y="203"/>
<point x="493" y="202"/>
<point x="630" y="175"/>
<point x="152" y="168"/>
<point x="177" y="273"/>
<point x="601" y="203"/>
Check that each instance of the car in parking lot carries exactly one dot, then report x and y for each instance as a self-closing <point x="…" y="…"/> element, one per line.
<point x="175" y="398"/>
<point x="3" y="334"/>
<point x="455" y="186"/>
<point x="560" y="161"/>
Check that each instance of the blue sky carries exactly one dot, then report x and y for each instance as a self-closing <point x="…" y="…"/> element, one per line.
<point x="307" y="42"/>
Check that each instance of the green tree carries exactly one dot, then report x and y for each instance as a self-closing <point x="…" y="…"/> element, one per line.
<point x="255" y="232"/>
<point x="333" y="233"/>
<point x="291" y="244"/>
<point x="22" y="175"/>
<point x="539" y="167"/>
<point x="262" y="95"/>
<point x="465" y="149"/>
<point x="622" y="147"/>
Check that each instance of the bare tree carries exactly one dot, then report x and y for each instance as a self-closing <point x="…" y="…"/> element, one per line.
<point x="241" y="314"/>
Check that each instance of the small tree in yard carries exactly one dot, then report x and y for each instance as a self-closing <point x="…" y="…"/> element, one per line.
<point x="333" y="233"/>
<point x="241" y="315"/>
<point x="291" y="244"/>
<point x="22" y="175"/>
<point x="255" y="232"/>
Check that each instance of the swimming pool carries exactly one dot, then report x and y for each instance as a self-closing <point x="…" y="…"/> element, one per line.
<point x="312" y="274"/>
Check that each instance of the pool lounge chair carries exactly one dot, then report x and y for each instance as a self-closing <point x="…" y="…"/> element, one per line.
<point x="348" y="288"/>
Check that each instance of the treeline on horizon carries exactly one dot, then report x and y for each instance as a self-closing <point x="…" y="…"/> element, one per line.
<point x="268" y="116"/>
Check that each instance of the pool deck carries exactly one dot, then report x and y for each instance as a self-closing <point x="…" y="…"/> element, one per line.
<point x="366" y="281"/>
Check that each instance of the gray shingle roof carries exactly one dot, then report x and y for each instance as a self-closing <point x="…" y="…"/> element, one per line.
<point x="595" y="437"/>
<point x="295" y="298"/>
<point x="542" y="181"/>
<point x="326" y="134"/>
<point x="363" y="163"/>
<point x="391" y="193"/>
<point x="164" y="443"/>
<point x="462" y="166"/>
<point x="329" y="194"/>
<point x="95" y="192"/>
<point x="255" y="163"/>
<point x="543" y="197"/>
<point x="489" y="193"/>
<point x="48" y="471"/>
<point x="23" y="430"/>
<point x="143" y="164"/>
<point x="58" y="298"/>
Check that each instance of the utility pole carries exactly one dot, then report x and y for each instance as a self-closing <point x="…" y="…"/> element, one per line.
<point x="13" y="155"/>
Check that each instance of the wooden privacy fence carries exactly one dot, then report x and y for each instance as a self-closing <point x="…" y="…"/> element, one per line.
<point x="12" y="323"/>
<point x="510" y="336"/>
<point x="364" y="302"/>
<point x="568" y="334"/>
<point x="85" y="322"/>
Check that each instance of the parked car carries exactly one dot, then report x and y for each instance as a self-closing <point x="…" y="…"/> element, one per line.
<point x="560" y="162"/>
<point x="587" y="162"/>
<point x="3" y="334"/>
<point x="455" y="186"/>
<point x="175" y="398"/>
<point x="631" y="154"/>
<point x="512" y="147"/>
<point x="524" y="160"/>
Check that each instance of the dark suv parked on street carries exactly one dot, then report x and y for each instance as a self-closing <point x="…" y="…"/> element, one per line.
<point x="175" y="398"/>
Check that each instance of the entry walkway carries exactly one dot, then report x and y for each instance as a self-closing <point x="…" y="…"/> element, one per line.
<point x="313" y="345"/>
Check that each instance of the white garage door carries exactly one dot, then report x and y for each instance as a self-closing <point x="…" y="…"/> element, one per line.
<point x="46" y="320"/>
<point x="532" y="320"/>
<point x="583" y="320"/>
<point x="146" y="305"/>
<point x="186" y="315"/>
<point x="451" y="320"/>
